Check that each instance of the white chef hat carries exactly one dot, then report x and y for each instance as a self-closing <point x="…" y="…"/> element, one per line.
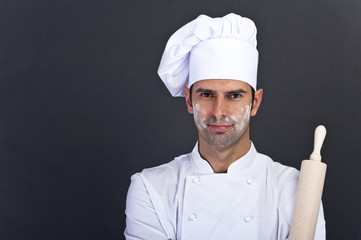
<point x="210" y="48"/>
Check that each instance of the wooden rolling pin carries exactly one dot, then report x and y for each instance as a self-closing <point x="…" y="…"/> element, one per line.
<point x="309" y="192"/>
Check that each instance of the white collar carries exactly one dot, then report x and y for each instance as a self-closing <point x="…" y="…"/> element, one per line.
<point x="237" y="166"/>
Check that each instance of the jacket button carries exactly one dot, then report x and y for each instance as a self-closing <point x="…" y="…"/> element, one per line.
<point x="248" y="219"/>
<point x="249" y="181"/>
<point x="192" y="217"/>
<point x="196" y="180"/>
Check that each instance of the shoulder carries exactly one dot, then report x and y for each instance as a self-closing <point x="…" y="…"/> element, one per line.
<point x="278" y="172"/>
<point x="165" y="174"/>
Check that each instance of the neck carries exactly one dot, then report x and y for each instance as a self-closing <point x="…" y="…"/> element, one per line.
<point x="221" y="158"/>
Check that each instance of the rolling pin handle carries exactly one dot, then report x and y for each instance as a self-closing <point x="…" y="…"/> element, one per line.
<point x="320" y="134"/>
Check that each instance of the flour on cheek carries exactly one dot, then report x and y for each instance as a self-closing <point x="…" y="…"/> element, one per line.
<point x="226" y="139"/>
<point x="199" y="118"/>
<point x="239" y="121"/>
<point x="242" y="119"/>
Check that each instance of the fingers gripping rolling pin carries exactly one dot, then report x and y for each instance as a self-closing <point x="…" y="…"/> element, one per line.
<point x="309" y="192"/>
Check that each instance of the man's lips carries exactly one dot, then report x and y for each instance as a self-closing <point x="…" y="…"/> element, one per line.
<point x="220" y="127"/>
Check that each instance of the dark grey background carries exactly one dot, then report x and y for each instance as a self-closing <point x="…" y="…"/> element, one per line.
<point x="82" y="108"/>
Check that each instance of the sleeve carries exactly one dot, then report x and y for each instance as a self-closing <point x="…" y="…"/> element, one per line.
<point x="141" y="218"/>
<point x="320" y="233"/>
<point x="286" y="203"/>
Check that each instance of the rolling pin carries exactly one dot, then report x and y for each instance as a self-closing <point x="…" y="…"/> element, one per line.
<point x="309" y="192"/>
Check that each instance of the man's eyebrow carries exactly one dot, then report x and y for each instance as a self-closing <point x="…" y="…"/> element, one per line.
<point x="237" y="91"/>
<point x="203" y="90"/>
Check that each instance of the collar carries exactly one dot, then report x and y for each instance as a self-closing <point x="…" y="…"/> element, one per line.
<point x="237" y="166"/>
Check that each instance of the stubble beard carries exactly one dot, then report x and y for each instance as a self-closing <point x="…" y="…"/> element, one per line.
<point x="223" y="140"/>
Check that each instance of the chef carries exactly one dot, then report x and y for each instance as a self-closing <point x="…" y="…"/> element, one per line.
<point x="224" y="188"/>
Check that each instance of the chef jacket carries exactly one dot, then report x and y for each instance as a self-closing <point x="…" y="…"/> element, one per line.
<point x="185" y="200"/>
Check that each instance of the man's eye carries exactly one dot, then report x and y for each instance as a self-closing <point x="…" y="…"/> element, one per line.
<point x="235" y="95"/>
<point x="205" y="95"/>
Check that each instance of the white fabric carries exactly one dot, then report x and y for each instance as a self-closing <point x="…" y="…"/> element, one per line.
<point x="210" y="48"/>
<point x="185" y="200"/>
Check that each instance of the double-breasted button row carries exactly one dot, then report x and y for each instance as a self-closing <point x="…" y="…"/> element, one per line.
<point x="197" y="179"/>
<point x="194" y="217"/>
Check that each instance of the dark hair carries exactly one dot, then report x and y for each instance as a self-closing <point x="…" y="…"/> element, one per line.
<point x="190" y="93"/>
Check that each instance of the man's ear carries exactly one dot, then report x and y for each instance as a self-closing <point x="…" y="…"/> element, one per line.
<point x="188" y="99"/>
<point x="257" y="101"/>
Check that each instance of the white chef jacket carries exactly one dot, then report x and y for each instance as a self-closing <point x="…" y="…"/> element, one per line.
<point x="185" y="200"/>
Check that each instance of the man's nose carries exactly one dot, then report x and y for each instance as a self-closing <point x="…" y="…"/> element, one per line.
<point x="219" y="108"/>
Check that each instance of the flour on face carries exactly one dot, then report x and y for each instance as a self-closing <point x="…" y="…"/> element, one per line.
<point x="242" y="119"/>
<point x="240" y="123"/>
<point x="199" y="118"/>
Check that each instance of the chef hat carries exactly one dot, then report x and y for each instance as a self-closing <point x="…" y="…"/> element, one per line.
<point x="210" y="48"/>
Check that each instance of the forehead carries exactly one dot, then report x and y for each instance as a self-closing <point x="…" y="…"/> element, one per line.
<point x="221" y="85"/>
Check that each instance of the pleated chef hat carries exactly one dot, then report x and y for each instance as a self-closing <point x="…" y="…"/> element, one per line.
<point x="210" y="48"/>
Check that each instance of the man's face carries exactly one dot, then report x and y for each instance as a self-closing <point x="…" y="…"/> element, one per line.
<point x="222" y="110"/>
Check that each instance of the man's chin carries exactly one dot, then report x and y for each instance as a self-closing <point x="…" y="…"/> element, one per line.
<point x="220" y="142"/>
